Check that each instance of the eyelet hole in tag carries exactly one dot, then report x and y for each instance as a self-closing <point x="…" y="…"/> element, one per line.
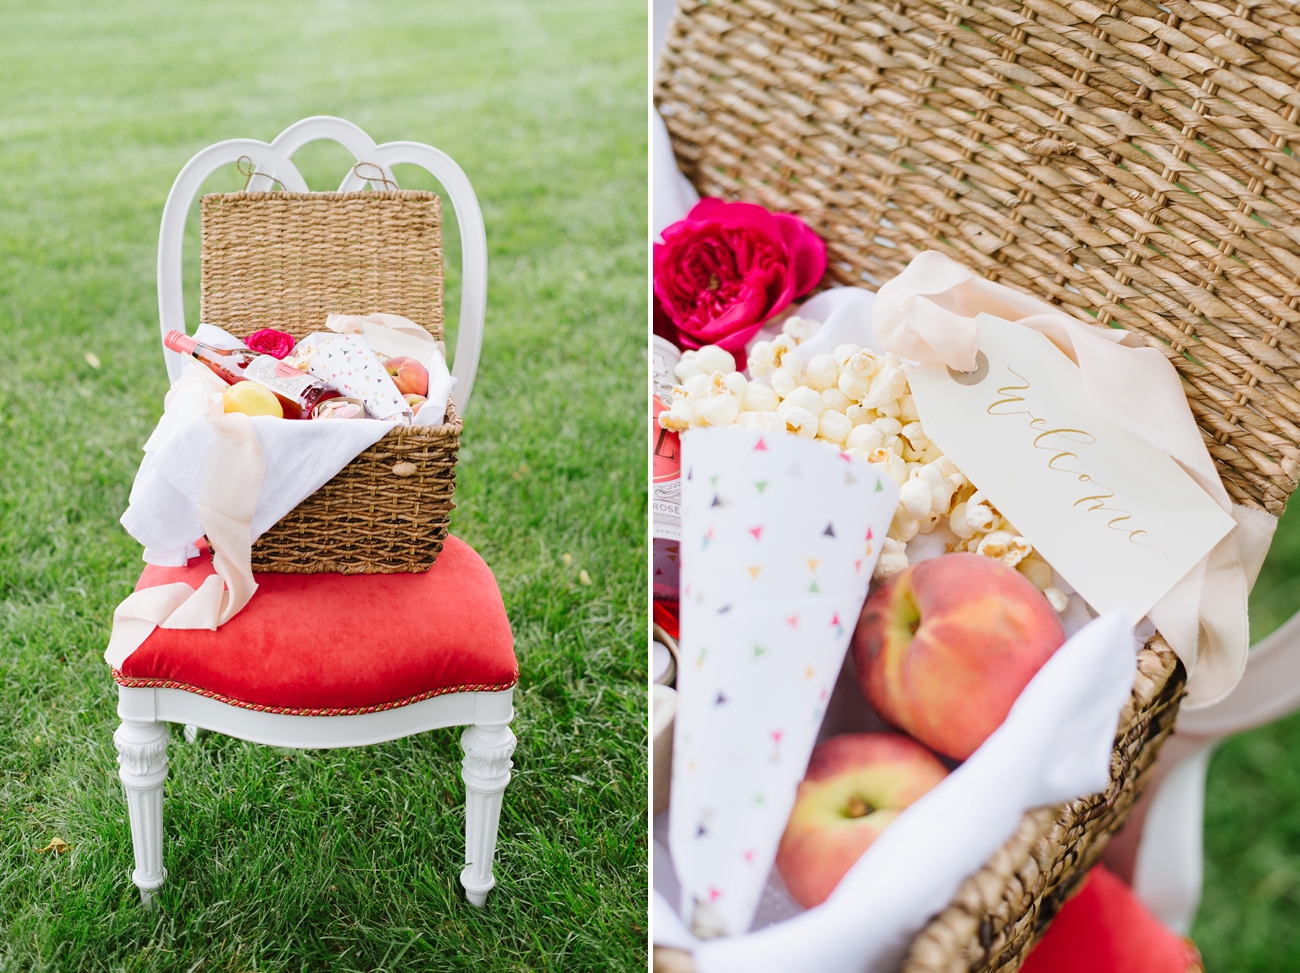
<point x="972" y="378"/>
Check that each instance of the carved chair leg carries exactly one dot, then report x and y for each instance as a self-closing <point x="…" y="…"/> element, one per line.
<point x="486" y="772"/>
<point x="142" y="754"/>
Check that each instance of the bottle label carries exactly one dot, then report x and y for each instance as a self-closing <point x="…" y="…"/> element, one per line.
<point x="279" y="377"/>
<point x="666" y="502"/>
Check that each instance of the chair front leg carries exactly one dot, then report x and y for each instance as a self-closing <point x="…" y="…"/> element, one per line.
<point x="486" y="772"/>
<point x="142" y="754"/>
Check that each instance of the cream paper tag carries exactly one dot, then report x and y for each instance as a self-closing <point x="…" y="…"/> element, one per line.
<point x="1113" y="514"/>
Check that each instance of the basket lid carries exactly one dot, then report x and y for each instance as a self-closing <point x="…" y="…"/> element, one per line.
<point x="287" y="260"/>
<point x="1130" y="163"/>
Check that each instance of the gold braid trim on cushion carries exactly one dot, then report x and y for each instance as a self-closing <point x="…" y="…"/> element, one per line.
<point x="134" y="683"/>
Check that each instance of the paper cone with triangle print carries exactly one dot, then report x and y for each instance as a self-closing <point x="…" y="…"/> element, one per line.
<point x="779" y="539"/>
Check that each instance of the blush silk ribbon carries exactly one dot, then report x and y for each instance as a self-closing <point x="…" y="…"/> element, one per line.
<point x="927" y="314"/>
<point x="356" y="324"/>
<point x="232" y="483"/>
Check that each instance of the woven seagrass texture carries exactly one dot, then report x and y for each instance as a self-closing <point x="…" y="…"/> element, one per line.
<point x="386" y="512"/>
<point x="1130" y="163"/>
<point x="1004" y="908"/>
<point x="286" y="260"/>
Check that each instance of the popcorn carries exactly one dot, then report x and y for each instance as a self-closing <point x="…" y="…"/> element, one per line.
<point x="904" y="528"/>
<point x="916" y="498"/>
<point x="676" y="418"/>
<point x="888" y="427"/>
<point x="761" y="421"/>
<point x="687" y="367"/>
<point x="711" y="359"/>
<point x="800" y="329"/>
<point x="736" y="385"/>
<point x="858" y="414"/>
<point x="1004" y="546"/>
<point x="843" y="353"/>
<point x="941" y="487"/>
<point x="1057" y="599"/>
<point x="720" y="410"/>
<point x="894" y="466"/>
<point x="805" y="398"/>
<point x="767" y="356"/>
<point x="893" y="558"/>
<point x="928" y="523"/>
<point x="822" y="372"/>
<point x="915" y="435"/>
<point x="865" y="438"/>
<point x="762" y="359"/>
<point x="957" y="522"/>
<point x="784" y="381"/>
<point x="887" y="385"/>
<point x="855" y="378"/>
<point x="761" y="398"/>
<point x="980" y="514"/>
<point x="856" y="402"/>
<point x="799" y="421"/>
<point x="834" y="427"/>
<point x="698" y="384"/>
<point x="1037" y="571"/>
<point x="835" y="400"/>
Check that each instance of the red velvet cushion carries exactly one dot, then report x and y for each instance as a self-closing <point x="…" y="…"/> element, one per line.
<point x="1105" y="929"/>
<point x="339" y="643"/>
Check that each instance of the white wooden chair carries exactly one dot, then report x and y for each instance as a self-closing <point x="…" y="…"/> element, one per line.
<point x="486" y="710"/>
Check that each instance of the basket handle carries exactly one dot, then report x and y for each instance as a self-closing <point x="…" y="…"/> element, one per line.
<point x="271" y="164"/>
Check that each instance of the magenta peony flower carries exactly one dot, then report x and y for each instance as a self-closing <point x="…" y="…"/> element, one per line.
<point x="277" y="344"/>
<point x="728" y="267"/>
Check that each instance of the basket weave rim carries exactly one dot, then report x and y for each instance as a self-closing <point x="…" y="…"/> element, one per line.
<point x="328" y="194"/>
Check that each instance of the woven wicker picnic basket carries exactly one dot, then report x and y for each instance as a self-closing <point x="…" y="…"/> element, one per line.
<point x="286" y="260"/>
<point x="1129" y="162"/>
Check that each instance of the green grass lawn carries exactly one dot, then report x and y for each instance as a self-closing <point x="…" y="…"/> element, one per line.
<point x="328" y="860"/>
<point x="1250" y="914"/>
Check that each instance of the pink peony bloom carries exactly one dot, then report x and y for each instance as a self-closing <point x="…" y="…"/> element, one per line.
<point x="277" y="344"/>
<point x="728" y="267"/>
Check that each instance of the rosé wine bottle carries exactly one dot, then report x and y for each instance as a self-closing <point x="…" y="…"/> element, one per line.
<point x="297" y="391"/>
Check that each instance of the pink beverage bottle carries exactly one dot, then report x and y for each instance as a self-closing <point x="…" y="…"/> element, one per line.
<point x="297" y="391"/>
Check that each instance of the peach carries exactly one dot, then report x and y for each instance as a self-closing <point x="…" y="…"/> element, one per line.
<point x="944" y="647"/>
<point x="414" y="401"/>
<point x="410" y="377"/>
<point x="856" y="786"/>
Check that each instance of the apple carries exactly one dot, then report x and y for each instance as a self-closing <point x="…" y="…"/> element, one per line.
<point x="410" y="377"/>
<point x="856" y="786"/>
<point x="944" y="647"/>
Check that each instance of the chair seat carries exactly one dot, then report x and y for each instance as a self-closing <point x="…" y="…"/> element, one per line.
<point x="1105" y="929"/>
<point x="334" y="644"/>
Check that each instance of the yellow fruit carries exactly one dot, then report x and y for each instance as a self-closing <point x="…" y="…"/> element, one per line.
<point x="252" y="400"/>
